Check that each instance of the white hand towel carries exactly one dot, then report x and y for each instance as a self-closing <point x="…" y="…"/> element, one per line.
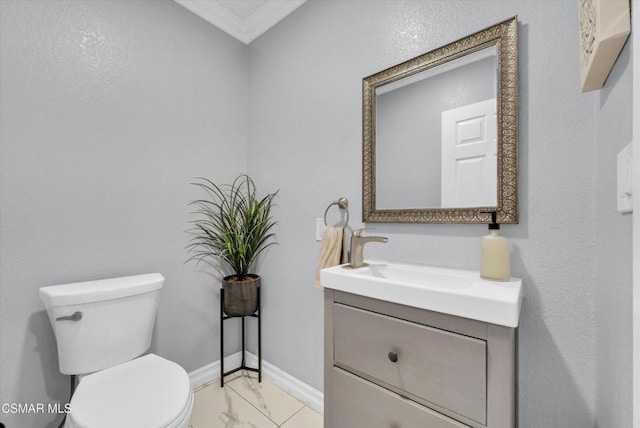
<point x="333" y="251"/>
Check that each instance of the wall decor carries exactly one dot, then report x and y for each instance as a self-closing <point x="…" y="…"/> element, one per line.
<point x="604" y="26"/>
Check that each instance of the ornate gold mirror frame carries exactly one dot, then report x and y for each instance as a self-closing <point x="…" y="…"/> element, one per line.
<point x="504" y="37"/>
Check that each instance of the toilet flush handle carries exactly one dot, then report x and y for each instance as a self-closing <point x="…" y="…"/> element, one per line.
<point x="77" y="316"/>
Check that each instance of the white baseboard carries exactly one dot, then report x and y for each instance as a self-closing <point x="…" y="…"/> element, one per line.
<point x="293" y="386"/>
<point x="210" y="372"/>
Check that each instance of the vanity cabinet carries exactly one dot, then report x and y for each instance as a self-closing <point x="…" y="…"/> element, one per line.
<point x="389" y="365"/>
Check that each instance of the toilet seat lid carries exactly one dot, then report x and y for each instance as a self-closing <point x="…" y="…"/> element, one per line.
<point x="148" y="392"/>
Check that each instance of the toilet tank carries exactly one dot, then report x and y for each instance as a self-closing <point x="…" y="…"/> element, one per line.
<point x="114" y="324"/>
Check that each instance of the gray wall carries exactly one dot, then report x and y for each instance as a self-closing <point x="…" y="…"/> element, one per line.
<point x="305" y="138"/>
<point x="108" y="109"/>
<point x="614" y="294"/>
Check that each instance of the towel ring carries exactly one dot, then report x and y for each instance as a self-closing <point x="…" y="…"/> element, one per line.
<point x="341" y="203"/>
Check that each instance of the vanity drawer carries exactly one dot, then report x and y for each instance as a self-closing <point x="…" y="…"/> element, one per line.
<point x="357" y="403"/>
<point x="446" y="369"/>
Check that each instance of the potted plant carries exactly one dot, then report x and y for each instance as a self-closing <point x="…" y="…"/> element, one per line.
<point x="233" y="227"/>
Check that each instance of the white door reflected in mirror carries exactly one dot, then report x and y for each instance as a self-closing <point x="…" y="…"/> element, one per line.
<point x="469" y="156"/>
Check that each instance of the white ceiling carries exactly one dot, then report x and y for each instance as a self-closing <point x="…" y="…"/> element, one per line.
<point x="243" y="19"/>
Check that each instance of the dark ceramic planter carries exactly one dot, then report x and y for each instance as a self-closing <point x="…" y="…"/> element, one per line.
<point x="240" y="297"/>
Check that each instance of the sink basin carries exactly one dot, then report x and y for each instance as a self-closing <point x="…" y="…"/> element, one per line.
<point x="451" y="291"/>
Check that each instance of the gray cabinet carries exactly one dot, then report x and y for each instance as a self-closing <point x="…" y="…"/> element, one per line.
<point x="395" y="366"/>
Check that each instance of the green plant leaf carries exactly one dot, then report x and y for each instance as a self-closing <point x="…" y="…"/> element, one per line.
<point x="231" y="224"/>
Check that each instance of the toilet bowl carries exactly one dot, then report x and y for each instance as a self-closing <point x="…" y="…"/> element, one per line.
<point x="102" y="327"/>
<point x="149" y="392"/>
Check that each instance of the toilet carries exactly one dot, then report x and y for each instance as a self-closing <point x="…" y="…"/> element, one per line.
<point x="102" y="329"/>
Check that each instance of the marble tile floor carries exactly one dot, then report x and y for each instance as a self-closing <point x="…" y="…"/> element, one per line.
<point x="243" y="402"/>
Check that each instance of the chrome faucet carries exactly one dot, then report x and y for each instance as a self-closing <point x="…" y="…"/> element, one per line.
<point x="357" y="245"/>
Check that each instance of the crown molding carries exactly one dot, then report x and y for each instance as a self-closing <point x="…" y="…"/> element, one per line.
<point x="248" y="29"/>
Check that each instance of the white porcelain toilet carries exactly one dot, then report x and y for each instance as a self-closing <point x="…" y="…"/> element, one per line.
<point x="102" y="328"/>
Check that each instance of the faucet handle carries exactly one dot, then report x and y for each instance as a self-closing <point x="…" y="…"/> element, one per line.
<point x="358" y="232"/>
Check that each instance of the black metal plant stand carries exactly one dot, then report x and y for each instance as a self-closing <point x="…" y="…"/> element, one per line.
<point x="74" y="385"/>
<point x="243" y="365"/>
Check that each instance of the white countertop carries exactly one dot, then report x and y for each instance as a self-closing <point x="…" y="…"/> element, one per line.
<point x="451" y="291"/>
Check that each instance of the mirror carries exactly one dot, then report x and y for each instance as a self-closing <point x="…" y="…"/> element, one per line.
<point x="440" y="134"/>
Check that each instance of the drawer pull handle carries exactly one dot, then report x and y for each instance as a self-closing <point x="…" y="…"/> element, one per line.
<point x="393" y="357"/>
